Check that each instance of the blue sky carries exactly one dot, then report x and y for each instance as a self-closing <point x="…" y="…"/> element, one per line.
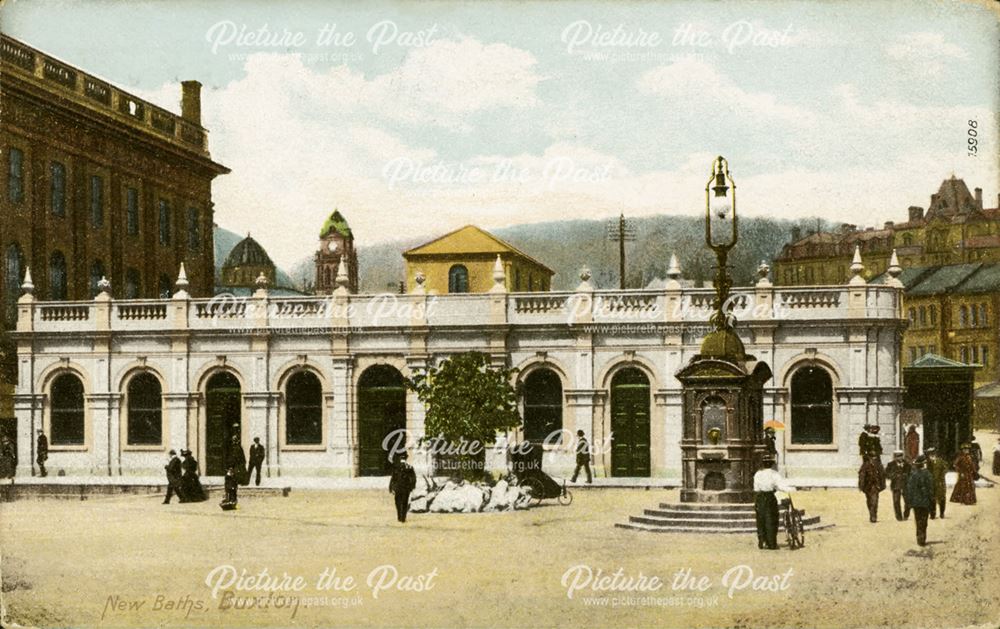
<point x="503" y="113"/>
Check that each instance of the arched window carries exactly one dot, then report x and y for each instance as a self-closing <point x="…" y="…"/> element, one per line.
<point x="145" y="411"/>
<point x="812" y="406"/>
<point x="66" y="426"/>
<point x="963" y="354"/>
<point x="974" y="316"/>
<point x="913" y="316"/>
<point x="907" y="240"/>
<point x="543" y="404"/>
<point x="983" y="319"/>
<point x="923" y="316"/>
<point x="57" y="276"/>
<point x="458" y="279"/>
<point x="963" y="317"/>
<point x="96" y="273"/>
<point x="132" y="284"/>
<point x="13" y="275"/>
<point x="304" y="410"/>
<point x="932" y="311"/>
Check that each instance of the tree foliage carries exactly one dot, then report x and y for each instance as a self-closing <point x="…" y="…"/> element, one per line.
<point x="467" y="399"/>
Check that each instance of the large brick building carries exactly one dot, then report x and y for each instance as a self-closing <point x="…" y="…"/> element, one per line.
<point x="97" y="182"/>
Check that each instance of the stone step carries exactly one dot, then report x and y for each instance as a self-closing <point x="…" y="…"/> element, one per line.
<point x="705" y="506"/>
<point x="709" y="522"/>
<point x="706" y="514"/>
<point x="636" y="526"/>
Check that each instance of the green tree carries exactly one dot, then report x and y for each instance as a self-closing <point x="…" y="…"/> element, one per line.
<point x="468" y="401"/>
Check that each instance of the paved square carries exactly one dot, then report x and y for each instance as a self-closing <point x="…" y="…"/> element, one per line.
<point x="130" y="561"/>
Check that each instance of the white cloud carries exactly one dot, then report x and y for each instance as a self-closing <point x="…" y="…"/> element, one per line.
<point x="924" y="53"/>
<point x="690" y="82"/>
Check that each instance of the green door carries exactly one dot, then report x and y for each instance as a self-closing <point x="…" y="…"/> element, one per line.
<point x="223" y="420"/>
<point x="630" y="423"/>
<point x="381" y="410"/>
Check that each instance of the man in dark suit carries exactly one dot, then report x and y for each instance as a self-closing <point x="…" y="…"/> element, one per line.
<point x="920" y="496"/>
<point x="256" y="460"/>
<point x="403" y="480"/>
<point x="42" y="452"/>
<point x="897" y="472"/>
<point x="174" y="472"/>
<point x="871" y="481"/>
<point x="237" y="460"/>
<point x="582" y="457"/>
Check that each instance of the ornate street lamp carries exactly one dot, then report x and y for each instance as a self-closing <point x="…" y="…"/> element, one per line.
<point x="721" y="233"/>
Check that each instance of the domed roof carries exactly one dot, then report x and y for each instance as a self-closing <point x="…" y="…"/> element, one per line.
<point x="248" y="252"/>
<point x="336" y="222"/>
<point x="723" y="344"/>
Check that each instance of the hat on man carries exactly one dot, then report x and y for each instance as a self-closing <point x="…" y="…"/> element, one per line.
<point x="185" y="452"/>
<point x="930" y="450"/>
<point x="173" y="453"/>
<point x="920" y="460"/>
<point x="898" y="454"/>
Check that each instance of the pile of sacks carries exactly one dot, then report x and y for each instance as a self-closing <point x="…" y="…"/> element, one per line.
<point x="465" y="497"/>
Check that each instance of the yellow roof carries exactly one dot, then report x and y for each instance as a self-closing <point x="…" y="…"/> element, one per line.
<point x="466" y="240"/>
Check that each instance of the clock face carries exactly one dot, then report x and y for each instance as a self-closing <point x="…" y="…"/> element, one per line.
<point x="332" y="246"/>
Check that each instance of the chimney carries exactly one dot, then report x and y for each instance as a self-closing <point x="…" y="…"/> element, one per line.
<point x="888" y="225"/>
<point x="916" y="213"/>
<point x="191" y="101"/>
<point x="934" y="201"/>
<point x="979" y="198"/>
<point x="796" y="234"/>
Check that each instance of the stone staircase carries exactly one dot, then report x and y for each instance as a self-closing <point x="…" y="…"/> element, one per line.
<point x="707" y="518"/>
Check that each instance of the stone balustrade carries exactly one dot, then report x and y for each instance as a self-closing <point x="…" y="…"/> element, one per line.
<point x="686" y="306"/>
<point x="90" y="91"/>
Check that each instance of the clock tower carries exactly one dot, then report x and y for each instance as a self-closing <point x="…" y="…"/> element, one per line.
<point x="336" y="243"/>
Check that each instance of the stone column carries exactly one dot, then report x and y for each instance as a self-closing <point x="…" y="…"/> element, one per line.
<point x="176" y="408"/>
<point x="666" y="455"/>
<point x="28" y="409"/>
<point x="342" y="437"/>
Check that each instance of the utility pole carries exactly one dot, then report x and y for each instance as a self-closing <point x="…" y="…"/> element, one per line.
<point x="621" y="230"/>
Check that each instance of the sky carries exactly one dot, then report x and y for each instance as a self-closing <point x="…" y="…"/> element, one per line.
<point x="414" y="119"/>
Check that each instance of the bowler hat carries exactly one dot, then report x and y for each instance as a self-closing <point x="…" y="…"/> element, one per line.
<point x="173" y="452"/>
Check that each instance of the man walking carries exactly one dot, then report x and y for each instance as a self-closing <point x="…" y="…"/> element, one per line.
<point x="256" y="459"/>
<point x="766" y="482"/>
<point x="897" y="472"/>
<point x="938" y="470"/>
<point x="920" y="496"/>
<point x="403" y="480"/>
<point x="582" y="457"/>
<point x="174" y="473"/>
<point x="42" y="452"/>
<point x="871" y="481"/>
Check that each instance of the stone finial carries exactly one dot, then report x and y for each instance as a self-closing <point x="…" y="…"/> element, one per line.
<point x="342" y="279"/>
<point x="857" y="268"/>
<point x="261" y="281"/>
<point x="894" y="271"/>
<point x="763" y="270"/>
<point x="181" y="284"/>
<point x="499" y="277"/>
<point x="27" y="286"/>
<point x="585" y="285"/>
<point x="674" y="270"/>
<point x="103" y="290"/>
<point x="418" y="279"/>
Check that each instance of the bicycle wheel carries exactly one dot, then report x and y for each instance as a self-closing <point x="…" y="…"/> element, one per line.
<point x="565" y="497"/>
<point x="533" y="487"/>
<point x="800" y="527"/>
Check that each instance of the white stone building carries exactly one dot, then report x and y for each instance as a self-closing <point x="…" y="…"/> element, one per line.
<point x="116" y="384"/>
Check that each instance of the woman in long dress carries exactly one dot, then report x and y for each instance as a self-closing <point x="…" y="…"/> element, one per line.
<point x="193" y="491"/>
<point x="965" y="487"/>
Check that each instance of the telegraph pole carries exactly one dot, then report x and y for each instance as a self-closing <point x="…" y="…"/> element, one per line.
<point x="621" y="230"/>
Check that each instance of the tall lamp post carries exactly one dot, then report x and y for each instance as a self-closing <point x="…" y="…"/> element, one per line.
<point x="722" y="395"/>
<point x="721" y="233"/>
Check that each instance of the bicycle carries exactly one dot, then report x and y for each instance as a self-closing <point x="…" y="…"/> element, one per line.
<point x="794" y="529"/>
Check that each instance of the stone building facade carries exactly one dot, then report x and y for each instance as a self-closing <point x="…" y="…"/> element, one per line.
<point x="956" y="228"/>
<point x="116" y="384"/>
<point x="463" y="261"/>
<point x="97" y="182"/>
